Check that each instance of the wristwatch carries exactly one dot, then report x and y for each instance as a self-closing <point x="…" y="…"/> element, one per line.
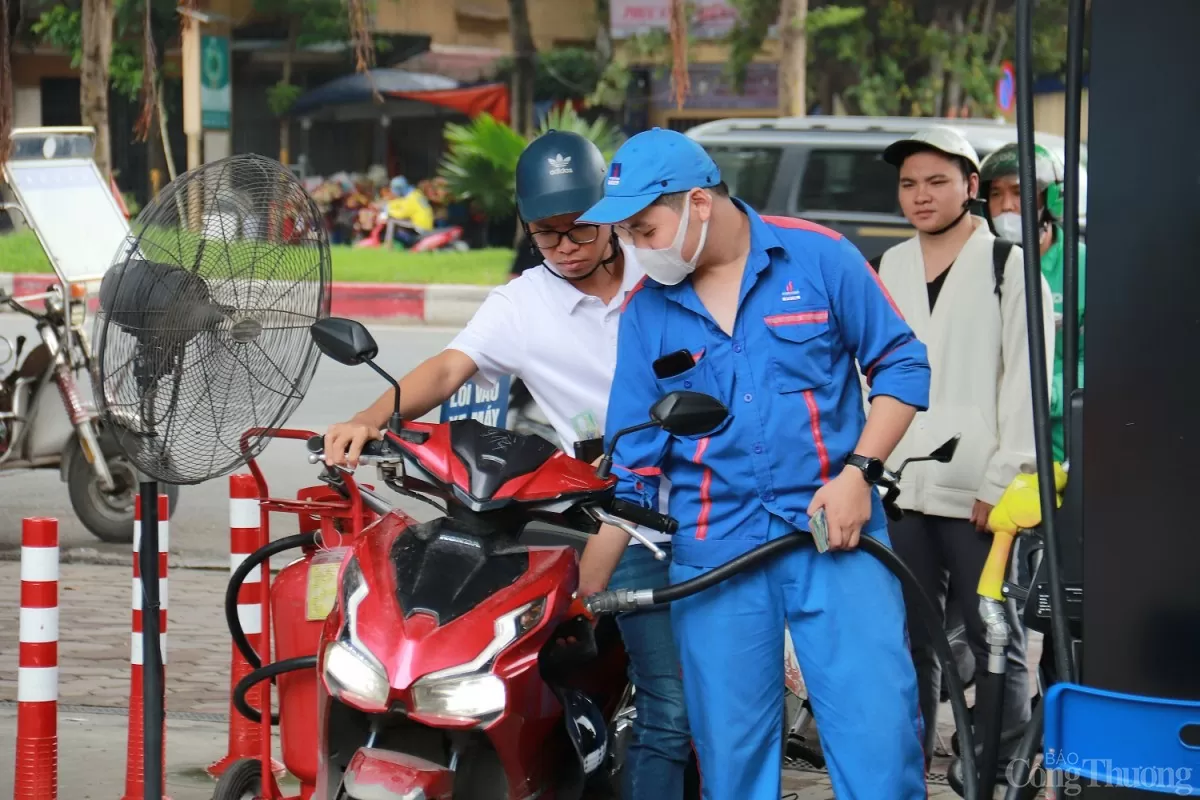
<point x="872" y="468"/>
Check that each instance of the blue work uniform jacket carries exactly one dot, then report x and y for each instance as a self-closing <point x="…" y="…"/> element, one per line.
<point x="809" y="307"/>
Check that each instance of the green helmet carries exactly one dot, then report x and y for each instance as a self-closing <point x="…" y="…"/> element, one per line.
<point x="1048" y="170"/>
<point x="559" y="173"/>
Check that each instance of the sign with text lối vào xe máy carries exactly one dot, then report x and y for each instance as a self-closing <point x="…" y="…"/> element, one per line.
<point x="488" y="404"/>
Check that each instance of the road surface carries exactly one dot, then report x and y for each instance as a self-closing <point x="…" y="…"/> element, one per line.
<point x="200" y="531"/>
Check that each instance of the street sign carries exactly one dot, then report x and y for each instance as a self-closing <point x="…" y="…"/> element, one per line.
<point x="1006" y="88"/>
<point x="216" y="91"/>
<point x="489" y="405"/>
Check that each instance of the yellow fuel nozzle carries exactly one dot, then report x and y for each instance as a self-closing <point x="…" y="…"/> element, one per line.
<point x="1020" y="508"/>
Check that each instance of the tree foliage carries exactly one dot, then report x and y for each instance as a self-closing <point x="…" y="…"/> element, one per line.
<point x="481" y="157"/>
<point x="563" y="73"/>
<point x="906" y="57"/>
<point x="61" y="27"/>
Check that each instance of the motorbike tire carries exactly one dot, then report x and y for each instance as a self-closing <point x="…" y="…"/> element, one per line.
<point x="801" y="742"/>
<point x="102" y="518"/>
<point x="242" y="780"/>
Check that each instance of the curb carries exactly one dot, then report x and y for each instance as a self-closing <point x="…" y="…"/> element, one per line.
<point x="94" y="557"/>
<point x="431" y="304"/>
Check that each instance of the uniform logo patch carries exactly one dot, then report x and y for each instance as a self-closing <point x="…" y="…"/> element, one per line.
<point x="790" y="293"/>
<point x="560" y="165"/>
<point x="614" y="175"/>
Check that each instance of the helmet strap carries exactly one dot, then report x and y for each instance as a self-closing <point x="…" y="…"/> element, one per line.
<point x="966" y="208"/>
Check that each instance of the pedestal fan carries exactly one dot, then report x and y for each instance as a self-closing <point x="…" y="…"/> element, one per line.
<point x="202" y="335"/>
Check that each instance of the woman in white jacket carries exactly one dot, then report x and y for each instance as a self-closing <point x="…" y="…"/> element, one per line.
<point x="964" y="297"/>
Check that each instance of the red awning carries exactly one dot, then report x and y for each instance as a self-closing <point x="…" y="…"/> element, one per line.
<point x="491" y="98"/>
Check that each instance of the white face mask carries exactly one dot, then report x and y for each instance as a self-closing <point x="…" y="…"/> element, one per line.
<point x="1008" y="226"/>
<point x="667" y="265"/>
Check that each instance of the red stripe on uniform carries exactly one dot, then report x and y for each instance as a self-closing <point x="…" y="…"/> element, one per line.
<point x="879" y="282"/>
<point x="646" y="471"/>
<point x="637" y="287"/>
<point x="798" y="318"/>
<point x="705" y="490"/>
<point x="814" y="421"/>
<point x="871" y="368"/>
<point x="795" y="223"/>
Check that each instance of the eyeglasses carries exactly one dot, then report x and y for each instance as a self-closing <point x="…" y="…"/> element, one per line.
<point x="579" y="234"/>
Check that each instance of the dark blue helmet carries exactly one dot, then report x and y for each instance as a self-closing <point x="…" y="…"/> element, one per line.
<point x="559" y="173"/>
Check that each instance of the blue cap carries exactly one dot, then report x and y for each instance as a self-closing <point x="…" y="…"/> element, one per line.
<point x="647" y="166"/>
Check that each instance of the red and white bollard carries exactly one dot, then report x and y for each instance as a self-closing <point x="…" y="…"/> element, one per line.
<point x="245" y="519"/>
<point x="36" y="774"/>
<point x="134" y="753"/>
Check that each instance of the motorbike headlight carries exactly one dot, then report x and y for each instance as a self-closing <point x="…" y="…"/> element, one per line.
<point x="468" y="697"/>
<point x="469" y="690"/>
<point x="356" y="678"/>
<point x="54" y="304"/>
<point x="352" y="672"/>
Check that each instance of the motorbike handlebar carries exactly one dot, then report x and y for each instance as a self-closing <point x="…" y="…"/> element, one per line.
<point x="374" y="450"/>
<point x="645" y="517"/>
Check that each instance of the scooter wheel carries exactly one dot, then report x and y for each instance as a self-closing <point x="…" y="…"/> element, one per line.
<point x="241" y="781"/>
<point x="798" y="748"/>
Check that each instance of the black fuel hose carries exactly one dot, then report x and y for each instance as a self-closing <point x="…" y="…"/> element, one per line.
<point x="266" y="673"/>
<point x="612" y="601"/>
<point x="1035" y="324"/>
<point x="236" y="580"/>
<point x="1027" y="750"/>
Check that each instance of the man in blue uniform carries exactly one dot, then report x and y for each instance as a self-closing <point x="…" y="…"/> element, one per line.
<point x="775" y="313"/>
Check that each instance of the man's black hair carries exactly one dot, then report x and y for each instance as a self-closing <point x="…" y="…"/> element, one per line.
<point x="675" y="199"/>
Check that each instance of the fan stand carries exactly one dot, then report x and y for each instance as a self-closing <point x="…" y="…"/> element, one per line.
<point x="153" y="714"/>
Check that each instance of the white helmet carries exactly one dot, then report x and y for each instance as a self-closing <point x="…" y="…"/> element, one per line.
<point x="936" y="137"/>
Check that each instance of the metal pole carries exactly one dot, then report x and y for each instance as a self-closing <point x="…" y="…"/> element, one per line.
<point x="1071" y="132"/>
<point x="152" y="670"/>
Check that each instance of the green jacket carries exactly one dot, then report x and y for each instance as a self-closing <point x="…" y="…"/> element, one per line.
<point x="1052" y="268"/>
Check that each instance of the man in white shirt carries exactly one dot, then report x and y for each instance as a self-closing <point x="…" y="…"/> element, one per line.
<point x="963" y="294"/>
<point x="555" y="328"/>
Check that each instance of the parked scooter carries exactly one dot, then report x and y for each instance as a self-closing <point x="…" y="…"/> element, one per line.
<point x="448" y="238"/>
<point x="45" y="423"/>
<point x="456" y="662"/>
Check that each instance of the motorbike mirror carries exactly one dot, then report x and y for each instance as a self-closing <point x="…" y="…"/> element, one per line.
<point x="689" y="413"/>
<point x="946" y="452"/>
<point x="682" y="413"/>
<point x="348" y="342"/>
<point x="942" y="454"/>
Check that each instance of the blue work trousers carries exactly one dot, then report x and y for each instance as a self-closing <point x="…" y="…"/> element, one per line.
<point x="846" y="615"/>
<point x="661" y="743"/>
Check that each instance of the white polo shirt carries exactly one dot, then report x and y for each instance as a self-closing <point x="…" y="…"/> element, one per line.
<point x="561" y="342"/>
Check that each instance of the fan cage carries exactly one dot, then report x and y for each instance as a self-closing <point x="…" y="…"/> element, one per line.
<point x="203" y="325"/>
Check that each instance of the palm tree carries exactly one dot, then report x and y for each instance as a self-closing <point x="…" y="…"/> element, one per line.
<point x="97" y="34"/>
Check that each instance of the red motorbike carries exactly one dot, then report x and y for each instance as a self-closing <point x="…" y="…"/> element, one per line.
<point x="457" y="663"/>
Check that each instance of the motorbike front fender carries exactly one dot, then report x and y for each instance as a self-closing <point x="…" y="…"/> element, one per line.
<point x="375" y="774"/>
